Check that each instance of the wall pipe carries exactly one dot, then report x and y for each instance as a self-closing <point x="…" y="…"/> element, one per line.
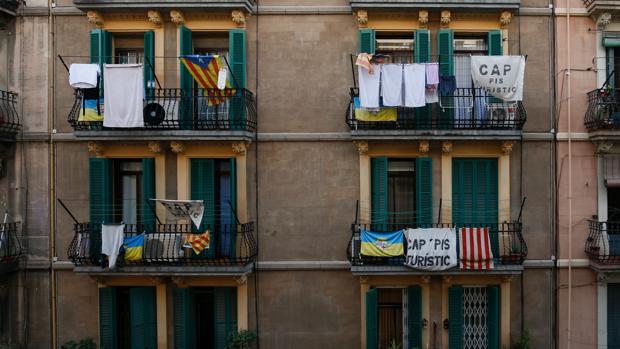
<point x="52" y="175"/>
<point x="570" y="177"/>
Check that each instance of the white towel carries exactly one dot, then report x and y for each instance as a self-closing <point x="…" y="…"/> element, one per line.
<point x="111" y="241"/>
<point x="83" y="75"/>
<point x="415" y="85"/>
<point x="392" y="85"/>
<point x="123" y="95"/>
<point x="431" y="95"/>
<point x="369" y="87"/>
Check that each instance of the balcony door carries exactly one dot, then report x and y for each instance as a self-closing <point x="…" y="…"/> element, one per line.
<point x="469" y="111"/>
<point x="209" y="114"/>
<point x="394" y="315"/>
<point x="473" y="317"/>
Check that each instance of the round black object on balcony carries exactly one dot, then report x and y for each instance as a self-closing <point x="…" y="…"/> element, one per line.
<point x="153" y="114"/>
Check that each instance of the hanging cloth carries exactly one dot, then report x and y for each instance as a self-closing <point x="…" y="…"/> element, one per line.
<point x="124" y="95"/>
<point x="111" y="241"/>
<point x="208" y="71"/>
<point x="415" y="85"/>
<point x="392" y="85"/>
<point x="369" y="87"/>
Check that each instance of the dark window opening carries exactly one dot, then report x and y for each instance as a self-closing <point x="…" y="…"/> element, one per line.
<point x="401" y="191"/>
<point x="613" y="204"/>
<point x="390" y="303"/>
<point x="205" y="324"/>
<point x="397" y="46"/>
<point x="127" y="184"/>
<point x="128" y="48"/>
<point x="123" y="317"/>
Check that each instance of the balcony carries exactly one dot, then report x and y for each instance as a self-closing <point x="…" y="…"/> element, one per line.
<point x="245" y="5"/>
<point x="468" y="112"/>
<point x="602" y="117"/>
<point x="175" y="112"/>
<point x="596" y="7"/>
<point x="507" y="244"/>
<point x="9" y="118"/>
<point x="232" y="250"/>
<point x="603" y="244"/>
<point x="11" y="250"/>
<point x="445" y="4"/>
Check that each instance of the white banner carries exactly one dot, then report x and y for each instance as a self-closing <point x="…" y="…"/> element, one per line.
<point x="194" y="209"/>
<point x="431" y="249"/>
<point x="500" y="76"/>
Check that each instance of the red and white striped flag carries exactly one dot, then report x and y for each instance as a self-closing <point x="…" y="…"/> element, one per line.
<point x="475" y="249"/>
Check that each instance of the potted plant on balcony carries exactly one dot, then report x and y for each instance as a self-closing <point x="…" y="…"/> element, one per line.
<point x="241" y="340"/>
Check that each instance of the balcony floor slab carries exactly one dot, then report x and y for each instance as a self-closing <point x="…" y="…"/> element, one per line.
<point x="169" y="270"/>
<point x="203" y="135"/>
<point x="436" y="135"/>
<point x="402" y="270"/>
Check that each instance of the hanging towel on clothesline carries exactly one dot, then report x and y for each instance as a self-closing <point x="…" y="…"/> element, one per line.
<point x="83" y="75"/>
<point x="392" y="85"/>
<point x="415" y="85"/>
<point x="369" y="86"/>
<point x="111" y="241"/>
<point x="124" y="95"/>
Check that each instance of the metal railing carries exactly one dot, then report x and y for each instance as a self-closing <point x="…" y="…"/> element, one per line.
<point x="165" y="244"/>
<point x="603" y="242"/>
<point x="10" y="245"/>
<point x="177" y="109"/>
<point x="465" y="109"/>
<point x="9" y="117"/>
<point x="507" y="243"/>
<point x="603" y="110"/>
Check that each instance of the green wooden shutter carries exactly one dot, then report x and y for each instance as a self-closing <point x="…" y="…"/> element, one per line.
<point x="149" y="63"/>
<point x="455" y="317"/>
<point x="424" y="191"/>
<point x="613" y="315"/>
<point x="233" y="202"/>
<point x="474" y="191"/>
<point x="367" y="41"/>
<point x="148" y="192"/>
<point x="495" y="43"/>
<point x="107" y="318"/>
<point x="202" y="187"/>
<point x="423" y="116"/>
<point x="143" y="317"/>
<point x="414" y="316"/>
<point x="372" y="319"/>
<point x="493" y="316"/>
<point x="225" y="304"/>
<point x="187" y="82"/>
<point x="100" y="51"/>
<point x="462" y="191"/>
<point x="445" y="49"/>
<point x="379" y="195"/>
<point x="237" y="46"/>
<point x="100" y="202"/>
<point x="487" y="191"/>
<point x="184" y="319"/>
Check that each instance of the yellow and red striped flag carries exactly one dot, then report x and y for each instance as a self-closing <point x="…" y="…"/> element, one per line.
<point x="205" y="70"/>
<point x="199" y="242"/>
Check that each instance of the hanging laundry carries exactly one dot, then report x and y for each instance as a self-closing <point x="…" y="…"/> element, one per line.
<point x="363" y="60"/>
<point x="206" y="72"/>
<point x="83" y="75"/>
<point x="381" y="114"/>
<point x="389" y="244"/>
<point x="124" y="95"/>
<point x="198" y="242"/>
<point x="134" y="247"/>
<point x="194" y="209"/>
<point x="447" y="84"/>
<point x="111" y="241"/>
<point x="415" y="85"/>
<point x="432" y="74"/>
<point x="392" y="85"/>
<point x="92" y="110"/>
<point x="369" y="87"/>
<point x="475" y="249"/>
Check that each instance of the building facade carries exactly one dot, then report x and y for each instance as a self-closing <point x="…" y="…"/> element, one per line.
<point x="291" y="171"/>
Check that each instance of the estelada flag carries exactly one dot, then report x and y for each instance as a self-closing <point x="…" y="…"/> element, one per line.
<point x="475" y="249"/>
<point x="198" y="242"/>
<point x="205" y="70"/>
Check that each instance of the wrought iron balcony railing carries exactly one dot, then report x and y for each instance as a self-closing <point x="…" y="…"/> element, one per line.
<point x="177" y="109"/>
<point x="11" y="248"/>
<point x="507" y="243"/>
<point x="165" y="245"/>
<point x="465" y="109"/>
<point x="9" y="117"/>
<point x="603" y="109"/>
<point x="603" y="242"/>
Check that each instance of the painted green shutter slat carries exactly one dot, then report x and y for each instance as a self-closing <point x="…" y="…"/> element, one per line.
<point x="613" y="315"/>
<point x="379" y="195"/>
<point x="455" y="317"/>
<point x="149" y="62"/>
<point x="100" y="51"/>
<point x="414" y="316"/>
<point x="184" y="319"/>
<point x="372" y="319"/>
<point x="143" y="317"/>
<point x="148" y="191"/>
<point x="95" y="46"/>
<point x="493" y="316"/>
<point x="107" y="318"/>
<point x="186" y="81"/>
<point x="233" y="201"/>
<point x="225" y="304"/>
<point x="238" y="58"/>
<point x="445" y="49"/>
<point x="367" y="41"/>
<point x="100" y="200"/>
<point x="202" y="187"/>
<point x="495" y="44"/>
<point x="457" y="191"/>
<point x="422" y="53"/>
<point x="424" y="191"/>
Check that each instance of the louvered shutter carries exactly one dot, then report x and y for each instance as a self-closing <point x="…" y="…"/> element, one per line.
<point x="100" y="201"/>
<point x="107" y="318"/>
<point x="379" y="195"/>
<point x="613" y="315"/>
<point x="100" y="51"/>
<point x="149" y="63"/>
<point x="186" y="107"/>
<point x="424" y="191"/>
<point x="233" y="203"/>
<point x="455" y="317"/>
<point x="367" y="41"/>
<point x="445" y="49"/>
<point x="414" y="316"/>
<point x="423" y="115"/>
<point x="225" y="304"/>
<point x="143" y="317"/>
<point x="493" y="316"/>
<point x="148" y="192"/>
<point x="372" y="319"/>
<point x="184" y="319"/>
<point x="237" y="46"/>
<point x="495" y="43"/>
<point x="202" y="187"/>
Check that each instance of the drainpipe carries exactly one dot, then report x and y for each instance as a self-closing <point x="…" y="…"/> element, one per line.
<point x="52" y="172"/>
<point x="554" y="179"/>
<point x="570" y="177"/>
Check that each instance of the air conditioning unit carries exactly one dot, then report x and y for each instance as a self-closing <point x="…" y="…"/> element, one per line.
<point x="162" y="247"/>
<point x="501" y="115"/>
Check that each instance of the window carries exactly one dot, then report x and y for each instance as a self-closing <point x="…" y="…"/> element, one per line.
<point x="401" y="190"/>
<point x="211" y="44"/>
<point x="613" y="204"/>
<point x="397" y="46"/>
<point x="613" y="66"/>
<point x="390" y="317"/>
<point x="474" y="191"/>
<point x="473" y="314"/>
<point x="128" y="196"/>
<point x="128" y="48"/>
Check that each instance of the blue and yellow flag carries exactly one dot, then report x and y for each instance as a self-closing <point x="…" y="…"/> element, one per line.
<point x="377" y="244"/>
<point x="205" y="70"/>
<point x="133" y="248"/>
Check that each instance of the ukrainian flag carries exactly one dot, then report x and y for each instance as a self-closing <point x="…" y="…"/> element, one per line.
<point x="378" y="244"/>
<point x="133" y="248"/>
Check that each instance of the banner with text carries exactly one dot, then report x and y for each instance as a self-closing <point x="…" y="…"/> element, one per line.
<point x="499" y="76"/>
<point x="431" y="249"/>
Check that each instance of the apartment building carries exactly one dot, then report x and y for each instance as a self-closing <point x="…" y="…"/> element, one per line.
<point x="291" y="170"/>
